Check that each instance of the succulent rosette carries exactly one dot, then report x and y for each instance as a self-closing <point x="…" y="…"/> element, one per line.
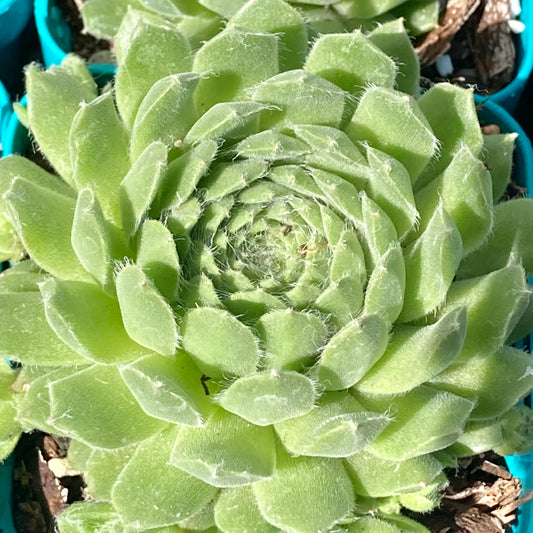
<point x="269" y="289"/>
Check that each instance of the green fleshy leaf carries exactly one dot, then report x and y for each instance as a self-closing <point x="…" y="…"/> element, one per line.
<point x="148" y="318"/>
<point x="424" y="420"/>
<point x="371" y="123"/>
<point x="166" y="389"/>
<point x="33" y="406"/>
<point x="465" y="190"/>
<point x="43" y="219"/>
<point x="497" y="154"/>
<point x="494" y="302"/>
<point x="269" y="397"/>
<point x="351" y="61"/>
<point x="249" y="306"/>
<point x="379" y="478"/>
<point x="379" y="231"/>
<point x="75" y="311"/>
<point x="416" y="354"/>
<point x="339" y="427"/>
<point x="158" y="258"/>
<point x="236" y="510"/>
<point x="305" y="494"/>
<point x="478" y="438"/>
<point x="226" y="452"/>
<point x="420" y="16"/>
<point x="91" y="238"/>
<point x="225" y="8"/>
<point x="148" y="49"/>
<point x="174" y="494"/>
<point x="101" y="410"/>
<point x="102" y="19"/>
<point x="27" y="337"/>
<point x="385" y="290"/>
<point x="280" y="18"/>
<point x="430" y="266"/>
<point x="302" y="98"/>
<point x="140" y="185"/>
<point x="352" y="352"/>
<point x="363" y="10"/>
<point x="451" y="113"/>
<point x="271" y="145"/>
<point x="392" y="39"/>
<point x="54" y="97"/>
<point x="226" y="121"/>
<point x="102" y="468"/>
<point x="290" y="338"/>
<point x="225" y="347"/>
<point x="254" y="58"/>
<point x="89" y="517"/>
<point x="516" y="427"/>
<point x="509" y="241"/>
<point x="389" y="186"/>
<point x="98" y="141"/>
<point x="228" y="178"/>
<point x="199" y="292"/>
<point x="495" y="382"/>
<point x="166" y="113"/>
<point x="184" y="173"/>
<point x="341" y="301"/>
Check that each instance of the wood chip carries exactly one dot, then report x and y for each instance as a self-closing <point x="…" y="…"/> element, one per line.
<point x="437" y="41"/>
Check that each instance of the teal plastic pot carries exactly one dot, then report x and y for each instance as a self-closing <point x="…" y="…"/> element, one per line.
<point x="55" y="35"/>
<point x="14" y="17"/>
<point x="509" y="96"/>
<point x="5" y="110"/>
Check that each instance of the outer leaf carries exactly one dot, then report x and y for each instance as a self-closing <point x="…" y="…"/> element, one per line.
<point x="378" y="478"/>
<point x="158" y="258"/>
<point x="89" y="517"/>
<point x="491" y="313"/>
<point x="43" y="219"/>
<point x="351" y="61"/>
<point x="416" y="354"/>
<point x="371" y="122"/>
<point x="174" y="494"/>
<point x="166" y="113"/>
<point x="430" y="266"/>
<point x="236" y="510"/>
<point x="140" y="185"/>
<point x="148" y="318"/>
<point x="226" y="452"/>
<point x="166" y="389"/>
<point x="426" y="420"/>
<point x="339" y="427"/>
<point x="276" y="17"/>
<point x="495" y="382"/>
<point x="54" y="97"/>
<point x="392" y="39"/>
<point x="509" y="241"/>
<point x="27" y="337"/>
<point x="148" y="50"/>
<point x="101" y="410"/>
<point x="99" y="152"/>
<point x="76" y="310"/>
<point x="254" y="58"/>
<point x="305" y="494"/>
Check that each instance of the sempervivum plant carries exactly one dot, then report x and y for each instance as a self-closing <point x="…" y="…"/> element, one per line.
<point x="269" y="291"/>
<point x="202" y="19"/>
